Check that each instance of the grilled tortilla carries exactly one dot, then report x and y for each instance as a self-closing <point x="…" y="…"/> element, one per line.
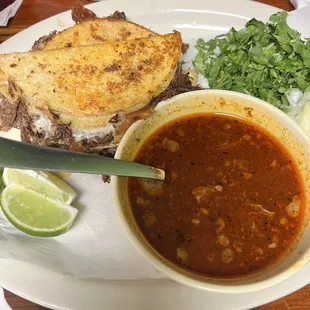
<point x="86" y="86"/>
<point x="97" y="31"/>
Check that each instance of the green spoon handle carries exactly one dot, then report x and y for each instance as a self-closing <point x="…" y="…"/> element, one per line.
<point x="20" y="155"/>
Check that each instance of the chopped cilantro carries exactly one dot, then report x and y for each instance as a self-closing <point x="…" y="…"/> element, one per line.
<point x="262" y="60"/>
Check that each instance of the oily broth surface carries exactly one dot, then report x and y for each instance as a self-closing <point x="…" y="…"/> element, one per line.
<point x="232" y="201"/>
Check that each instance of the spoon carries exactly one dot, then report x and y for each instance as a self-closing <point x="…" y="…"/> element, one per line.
<point x="20" y="155"/>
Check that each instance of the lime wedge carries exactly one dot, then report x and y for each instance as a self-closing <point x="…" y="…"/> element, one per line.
<point x="43" y="182"/>
<point x="1" y="182"/>
<point x="34" y="213"/>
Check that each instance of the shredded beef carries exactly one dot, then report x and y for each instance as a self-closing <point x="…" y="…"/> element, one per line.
<point x="24" y="124"/>
<point x="185" y="47"/>
<point x="106" y="178"/>
<point x="9" y="116"/>
<point x="62" y="138"/>
<point x="180" y="84"/>
<point x="41" y="42"/>
<point x="8" y="113"/>
<point x="63" y="133"/>
<point x="119" y="15"/>
<point x="94" y="142"/>
<point x="115" y="119"/>
<point x="60" y="135"/>
<point x="108" y="152"/>
<point x="81" y="14"/>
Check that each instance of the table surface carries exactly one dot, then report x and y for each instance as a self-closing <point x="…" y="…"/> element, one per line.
<point x="33" y="11"/>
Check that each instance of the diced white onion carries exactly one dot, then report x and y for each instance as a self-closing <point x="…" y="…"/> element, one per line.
<point x="227" y="256"/>
<point x="182" y="254"/>
<point x="294" y="97"/>
<point x="152" y="187"/>
<point x="292" y="209"/>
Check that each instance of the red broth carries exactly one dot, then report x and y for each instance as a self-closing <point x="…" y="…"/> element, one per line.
<point x="233" y="200"/>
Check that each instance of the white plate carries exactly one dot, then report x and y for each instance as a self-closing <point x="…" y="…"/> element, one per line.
<point x="195" y="18"/>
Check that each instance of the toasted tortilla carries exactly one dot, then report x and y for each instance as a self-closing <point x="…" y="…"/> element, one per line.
<point x="85" y="86"/>
<point x="97" y="31"/>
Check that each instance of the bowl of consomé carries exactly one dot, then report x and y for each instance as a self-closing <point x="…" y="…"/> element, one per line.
<point x="231" y="215"/>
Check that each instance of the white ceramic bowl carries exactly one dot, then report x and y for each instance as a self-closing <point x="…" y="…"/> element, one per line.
<point x="251" y="109"/>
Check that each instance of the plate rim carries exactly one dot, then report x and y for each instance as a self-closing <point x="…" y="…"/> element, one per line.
<point x="154" y="282"/>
